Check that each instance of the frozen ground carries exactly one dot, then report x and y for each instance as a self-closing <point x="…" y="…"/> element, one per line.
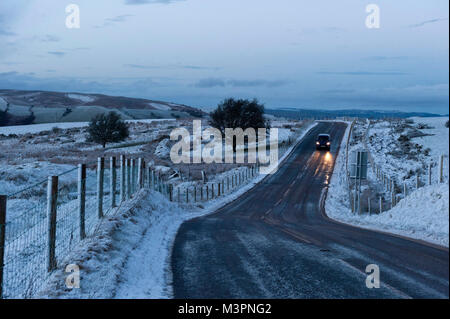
<point x="424" y="214"/>
<point x="130" y="256"/>
<point x="37" y="128"/>
<point x="405" y="148"/>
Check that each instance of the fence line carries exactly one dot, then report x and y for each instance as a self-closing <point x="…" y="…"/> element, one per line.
<point x="393" y="185"/>
<point x="42" y="223"/>
<point x="393" y="188"/>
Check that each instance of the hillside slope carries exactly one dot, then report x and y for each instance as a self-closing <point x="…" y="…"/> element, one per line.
<point x="47" y="107"/>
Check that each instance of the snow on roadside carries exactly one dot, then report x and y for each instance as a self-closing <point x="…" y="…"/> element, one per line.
<point x="129" y="256"/>
<point x="424" y="214"/>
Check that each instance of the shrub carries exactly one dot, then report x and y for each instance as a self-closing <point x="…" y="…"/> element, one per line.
<point x="107" y="129"/>
<point x="240" y="113"/>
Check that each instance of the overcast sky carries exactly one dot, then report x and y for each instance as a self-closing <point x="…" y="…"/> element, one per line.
<point x="286" y="53"/>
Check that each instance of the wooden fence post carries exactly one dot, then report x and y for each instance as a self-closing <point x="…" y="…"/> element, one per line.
<point x="429" y="174"/>
<point x="171" y="192"/>
<point x="122" y="178"/>
<point x="351" y="202"/>
<point x="82" y="199"/>
<point x="100" y="178"/>
<point x="381" y="205"/>
<point x="207" y="192"/>
<point x="52" y="202"/>
<point x="133" y="175"/>
<point x="3" y="200"/>
<point x="128" y="171"/>
<point x="441" y="169"/>
<point x="392" y="200"/>
<point x="139" y="174"/>
<point x="112" y="180"/>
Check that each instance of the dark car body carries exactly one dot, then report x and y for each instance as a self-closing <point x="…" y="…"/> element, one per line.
<point x="323" y="141"/>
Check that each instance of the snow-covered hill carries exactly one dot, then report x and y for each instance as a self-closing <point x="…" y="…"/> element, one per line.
<point x="48" y="107"/>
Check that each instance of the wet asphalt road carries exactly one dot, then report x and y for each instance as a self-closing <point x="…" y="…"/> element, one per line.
<point x="276" y="242"/>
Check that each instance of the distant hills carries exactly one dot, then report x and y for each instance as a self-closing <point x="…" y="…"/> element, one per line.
<point x="26" y="107"/>
<point x="326" y="114"/>
<point x="18" y="107"/>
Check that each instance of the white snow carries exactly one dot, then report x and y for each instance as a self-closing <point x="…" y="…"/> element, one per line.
<point x="424" y="214"/>
<point x="2" y="104"/>
<point x="438" y="142"/>
<point x="36" y="128"/>
<point x="159" y="106"/>
<point x="129" y="257"/>
<point x="162" y="149"/>
<point x="81" y="97"/>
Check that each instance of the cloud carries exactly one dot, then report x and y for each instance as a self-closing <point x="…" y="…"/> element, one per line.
<point x="209" y="83"/>
<point x="385" y="58"/>
<point x="362" y="73"/>
<point x="5" y="33"/>
<point x="49" y="38"/>
<point x="139" y="2"/>
<point x="113" y="86"/>
<point x="174" y="66"/>
<point x="421" y="24"/>
<point x="255" y="83"/>
<point x="216" y="82"/>
<point x="195" y="67"/>
<point x="114" y="20"/>
<point x="144" y="67"/>
<point x="57" y="53"/>
<point x="433" y="97"/>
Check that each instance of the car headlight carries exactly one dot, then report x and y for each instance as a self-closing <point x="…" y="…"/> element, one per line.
<point x="317" y="143"/>
<point x="328" y="143"/>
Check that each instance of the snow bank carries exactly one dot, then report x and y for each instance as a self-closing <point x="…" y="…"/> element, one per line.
<point x="424" y="214"/>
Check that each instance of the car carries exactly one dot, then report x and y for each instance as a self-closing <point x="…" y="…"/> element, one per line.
<point x="323" y="142"/>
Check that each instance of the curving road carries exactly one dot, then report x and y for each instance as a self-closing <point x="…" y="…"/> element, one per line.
<point x="275" y="241"/>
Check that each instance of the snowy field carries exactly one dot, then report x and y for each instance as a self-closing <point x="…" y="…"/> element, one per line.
<point x="424" y="213"/>
<point x="406" y="148"/>
<point x="142" y="232"/>
<point x="32" y="153"/>
<point x="37" y="128"/>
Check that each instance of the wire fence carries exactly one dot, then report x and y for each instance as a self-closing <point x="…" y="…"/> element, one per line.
<point x="41" y="224"/>
<point x="383" y="192"/>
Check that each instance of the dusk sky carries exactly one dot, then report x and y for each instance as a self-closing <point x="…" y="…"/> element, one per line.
<point x="288" y="53"/>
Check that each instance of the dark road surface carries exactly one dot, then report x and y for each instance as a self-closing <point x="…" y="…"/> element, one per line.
<point x="275" y="241"/>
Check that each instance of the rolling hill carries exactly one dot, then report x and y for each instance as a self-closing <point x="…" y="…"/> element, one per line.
<point x="26" y="107"/>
